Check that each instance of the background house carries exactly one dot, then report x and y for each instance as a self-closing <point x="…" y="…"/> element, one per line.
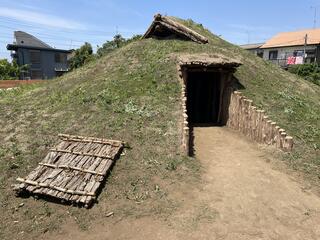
<point x="44" y="61"/>
<point x="290" y="48"/>
<point x="255" y="48"/>
<point x="303" y="45"/>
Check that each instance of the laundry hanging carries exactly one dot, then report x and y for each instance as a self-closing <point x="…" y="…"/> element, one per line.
<point x="291" y="60"/>
<point x="299" y="60"/>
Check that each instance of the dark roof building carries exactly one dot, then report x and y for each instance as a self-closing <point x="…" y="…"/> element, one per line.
<point x="251" y="46"/>
<point x="44" y="61"/>
<point x="255" y="48"/>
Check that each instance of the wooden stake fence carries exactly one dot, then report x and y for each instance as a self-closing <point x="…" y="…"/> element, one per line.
<point x="255" y="124"/>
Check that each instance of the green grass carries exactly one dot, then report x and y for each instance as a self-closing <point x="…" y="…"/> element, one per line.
<point x="133" y="95"/>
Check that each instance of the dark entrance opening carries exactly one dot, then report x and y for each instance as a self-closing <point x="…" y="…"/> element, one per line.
<point x="203" y="97"/>
<point x="208" y="83"/>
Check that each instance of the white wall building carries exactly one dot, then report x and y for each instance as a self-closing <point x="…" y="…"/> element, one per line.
<point x="290" y="48"/>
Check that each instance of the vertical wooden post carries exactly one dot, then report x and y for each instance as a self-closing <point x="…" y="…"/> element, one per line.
<point x="250" y="121"/>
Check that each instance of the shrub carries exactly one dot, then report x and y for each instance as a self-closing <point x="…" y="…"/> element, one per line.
<point x="10" y="70"/>
<point x="310" y="72"/>
<point x="117" y="42"/>
<point x="81" y="56"/>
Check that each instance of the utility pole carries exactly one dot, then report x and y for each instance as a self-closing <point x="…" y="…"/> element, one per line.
<point x="315" y="16"/>
<point x="305" y="46"/>
<point x="248" y="36"/>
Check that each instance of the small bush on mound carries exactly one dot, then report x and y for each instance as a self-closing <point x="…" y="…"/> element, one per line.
<point x="310" y="72"/>
<point x="117" y="42"/>
<point x="81" y="56"/>
<point x="84" y="54"/>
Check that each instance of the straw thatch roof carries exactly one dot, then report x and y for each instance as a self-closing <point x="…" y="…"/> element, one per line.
<point x="166" y="27"/>
<point x="208" y="60"/>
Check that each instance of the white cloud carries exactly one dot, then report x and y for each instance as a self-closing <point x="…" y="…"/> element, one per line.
<point x="115" y="6"/>
<point x="40" y="18"/>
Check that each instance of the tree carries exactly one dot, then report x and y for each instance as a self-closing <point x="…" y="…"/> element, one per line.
<point x="117" y="42"/>
<point x="10" y="70"/>
<point x="81" y="56"/>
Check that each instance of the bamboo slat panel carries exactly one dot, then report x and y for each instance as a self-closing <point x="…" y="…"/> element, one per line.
<point x="74" y="170"/>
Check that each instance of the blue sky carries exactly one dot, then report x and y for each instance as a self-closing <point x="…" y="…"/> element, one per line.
<point x="68" y="23"/>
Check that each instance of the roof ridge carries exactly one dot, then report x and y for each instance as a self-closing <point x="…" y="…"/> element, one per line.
<point x="25" y="35"/>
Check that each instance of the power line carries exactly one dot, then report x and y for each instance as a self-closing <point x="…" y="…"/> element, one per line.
<point x="72" y="31"/>
<point x="53" y="37"/>
<point x="45" y="36"/>
<point x="315" y="15"/>
<point x="89" y="34"/>
<point x="57" y="42"/>
<point x="51" y="43"/>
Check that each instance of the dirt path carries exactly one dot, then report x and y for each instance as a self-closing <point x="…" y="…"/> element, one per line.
<point x="253" y="200"/>
<point x="242" y="197"/>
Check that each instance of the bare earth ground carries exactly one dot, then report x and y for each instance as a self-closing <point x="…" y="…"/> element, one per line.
<point x="15" y="83"/>
<point x="243" y="195"/>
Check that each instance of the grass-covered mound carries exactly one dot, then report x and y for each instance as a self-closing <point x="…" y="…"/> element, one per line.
<point x="133" y="95"/>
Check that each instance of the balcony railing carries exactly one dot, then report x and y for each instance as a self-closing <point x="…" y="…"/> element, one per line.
<point x="279" y="62"/>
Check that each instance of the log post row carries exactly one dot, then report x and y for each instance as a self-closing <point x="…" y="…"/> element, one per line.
<point x="255" y="124"/>
<point x="185" y="124"/>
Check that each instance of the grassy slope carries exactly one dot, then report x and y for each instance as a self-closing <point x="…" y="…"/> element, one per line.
<point x="132" y="95"/>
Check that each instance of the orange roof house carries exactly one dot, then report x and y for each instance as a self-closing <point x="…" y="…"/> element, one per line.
<point x="296" y="38"/>
<point x="289" y="48"/>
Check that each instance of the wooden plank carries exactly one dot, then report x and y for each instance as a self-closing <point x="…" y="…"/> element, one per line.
<point x="88" y="139"/>
<point x="80" y="153"/>
<point x="71" y="167"/>
<point x="34" y="183"/>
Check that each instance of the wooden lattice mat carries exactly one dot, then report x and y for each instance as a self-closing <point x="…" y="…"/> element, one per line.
<point x="74" y="170"/>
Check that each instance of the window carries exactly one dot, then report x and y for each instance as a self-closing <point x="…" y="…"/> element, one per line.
<point x="310" y="56"/>
<point x="35" y="56"/>
<point x="311" y="53"/>
<point x="36" y="74"/>
<point x="260" y="53"/>
<point x="298" y="53"/>
<point x="310" y="60"/>
<point x="60" y="57"/>
<point x="273" y="55"/>
<point x="59" y="74"/>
